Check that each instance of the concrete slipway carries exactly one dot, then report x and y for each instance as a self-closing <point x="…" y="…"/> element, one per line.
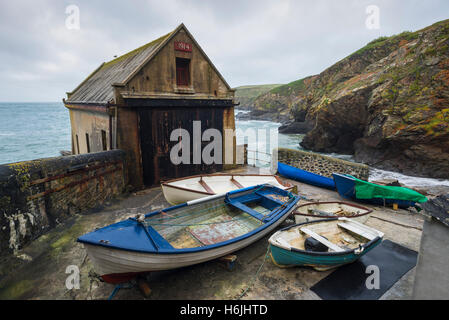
<point x="38" y="271"/>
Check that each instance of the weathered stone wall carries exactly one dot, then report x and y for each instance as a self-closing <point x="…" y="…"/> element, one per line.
<point x="37" y="195"/>
<point x="322" y="165"/>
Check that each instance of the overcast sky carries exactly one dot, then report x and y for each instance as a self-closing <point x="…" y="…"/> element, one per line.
<point x="250" y="42"/>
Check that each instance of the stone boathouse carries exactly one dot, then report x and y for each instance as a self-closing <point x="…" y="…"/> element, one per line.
<point x="135" y="101"/>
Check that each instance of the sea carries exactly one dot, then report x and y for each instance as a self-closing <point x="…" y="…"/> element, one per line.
<point x="39" y="130"/>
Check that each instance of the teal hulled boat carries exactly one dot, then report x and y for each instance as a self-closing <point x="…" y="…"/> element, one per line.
<point x="323" y="244"/>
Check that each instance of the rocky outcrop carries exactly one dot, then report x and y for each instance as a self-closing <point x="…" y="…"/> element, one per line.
<point x="246" y="95"/>
<point x="264" y="116"/>
<point x="388" y="103"/>
<point x="296" y="127"/>
<point x="437" y="208"/>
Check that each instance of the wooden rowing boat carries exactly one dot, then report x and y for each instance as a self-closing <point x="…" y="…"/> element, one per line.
<point x="323" y="244"/>
<point x="187" y="234"/>
<point x="181" y="190"/>
<point x="324" y="210"/>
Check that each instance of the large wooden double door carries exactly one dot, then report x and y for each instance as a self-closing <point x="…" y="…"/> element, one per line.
<point x="155" y="128"/>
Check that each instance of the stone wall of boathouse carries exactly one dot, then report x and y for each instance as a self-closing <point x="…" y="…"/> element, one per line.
<point x="321" y="164"/>
<point x="37" y="195"/>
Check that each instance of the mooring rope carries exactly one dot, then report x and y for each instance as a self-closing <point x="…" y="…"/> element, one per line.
<point x="198" y="224"/>
<point x="149" y="221"/>
<point x="128" y="285"/>
<point x="256" y="275"/>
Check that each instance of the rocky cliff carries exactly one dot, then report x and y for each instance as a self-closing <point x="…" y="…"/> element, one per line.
<point x="245" y="95"/>
<point x="388" y="103"/>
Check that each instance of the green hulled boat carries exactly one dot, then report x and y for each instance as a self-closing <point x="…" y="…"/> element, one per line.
<point x="323" y="244"/>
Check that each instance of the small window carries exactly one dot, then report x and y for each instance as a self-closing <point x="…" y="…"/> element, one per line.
<point x="182" y="72"/>
<point x="87" y="143"/>
<point x="77" y="144"/>
<point x="103" y="140"/>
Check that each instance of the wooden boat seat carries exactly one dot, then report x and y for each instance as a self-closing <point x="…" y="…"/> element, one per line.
<point x="357" y="230"/>
<point x="319" y="238"/>
<point x="246" y="209"/>
<point x="269" y="198"/>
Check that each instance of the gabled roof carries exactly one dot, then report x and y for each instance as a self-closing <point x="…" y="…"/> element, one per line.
<point x="98" y="86"/>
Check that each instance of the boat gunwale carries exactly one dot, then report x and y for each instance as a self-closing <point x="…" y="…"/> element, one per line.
<point x="285" y="212"/>
<point x="329" y="202"/>
<point x="333" y="253"/>
<point x="166" y="183"/>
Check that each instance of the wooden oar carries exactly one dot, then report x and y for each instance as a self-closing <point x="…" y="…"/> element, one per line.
<point x="321" y="213"/>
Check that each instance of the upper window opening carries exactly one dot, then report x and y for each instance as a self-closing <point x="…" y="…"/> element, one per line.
<point x="77" y="144"/>
<point x="104" y="142"/>
<point x="87" y="143"/>
<point x="182" y="72"/>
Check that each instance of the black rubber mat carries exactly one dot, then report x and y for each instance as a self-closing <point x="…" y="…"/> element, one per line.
<point x="349" y="282"/>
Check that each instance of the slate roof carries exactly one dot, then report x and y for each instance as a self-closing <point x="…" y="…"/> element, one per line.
<point x="97" y="87"/>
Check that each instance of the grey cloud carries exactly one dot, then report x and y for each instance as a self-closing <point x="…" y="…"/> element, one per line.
<point x="251" y="42"/>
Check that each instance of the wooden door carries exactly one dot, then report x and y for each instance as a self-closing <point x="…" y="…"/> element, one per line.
<point x="155" y="127"/>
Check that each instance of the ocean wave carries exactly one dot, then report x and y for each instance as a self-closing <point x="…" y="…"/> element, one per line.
<point x="378" y="174"/>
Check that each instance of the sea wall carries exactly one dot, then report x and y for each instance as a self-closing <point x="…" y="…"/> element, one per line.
<point x="320" y="164"/>
<point x="39" y="194"/>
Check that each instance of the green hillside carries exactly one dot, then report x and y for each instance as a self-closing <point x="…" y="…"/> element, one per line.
<point x="247" y="94"/>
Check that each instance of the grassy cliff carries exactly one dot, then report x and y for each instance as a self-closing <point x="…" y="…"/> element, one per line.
<point x="247" y="94"/>
<point x="387" y="103"/>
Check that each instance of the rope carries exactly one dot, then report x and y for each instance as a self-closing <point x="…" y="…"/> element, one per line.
<point x="128" y="285"/>
<point x="93" y="277"/>
<point x="256" y="275"/>
<point x="149" y="221"/>
<point x="196" y="211"/>
<point x="199" y="224"/>
<point x="186" y="215"/>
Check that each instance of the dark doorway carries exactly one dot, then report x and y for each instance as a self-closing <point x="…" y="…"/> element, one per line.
<point x="155" y="127"/>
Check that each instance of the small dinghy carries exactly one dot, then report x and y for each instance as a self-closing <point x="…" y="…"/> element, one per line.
<point x="322" y="210"/>
<point x="350" y="187"/>
<point x="305" y="176"/>
<point x="323" y="244"/>
<point x="187" y="234"/>
<point x="178" y="191"/>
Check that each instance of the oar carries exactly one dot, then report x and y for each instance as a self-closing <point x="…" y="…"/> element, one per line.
<point x="321" y="213"/>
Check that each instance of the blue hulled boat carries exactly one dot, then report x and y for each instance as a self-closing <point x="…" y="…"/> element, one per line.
<point x="352" y="188"/>
<point x="323" y="244"/>
<point x="187" y="234"/>
<point x="305" y="176"/>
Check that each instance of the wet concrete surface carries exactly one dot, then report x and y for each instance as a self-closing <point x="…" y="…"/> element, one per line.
<point x="38" y="271"/>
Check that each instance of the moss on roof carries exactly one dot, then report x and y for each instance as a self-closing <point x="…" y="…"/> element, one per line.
<point x="136" y="51"/>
